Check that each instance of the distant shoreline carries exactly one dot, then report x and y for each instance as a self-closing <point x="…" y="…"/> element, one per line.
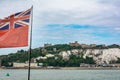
<point x="70" y="68"/>
<point x="90" y="68"/>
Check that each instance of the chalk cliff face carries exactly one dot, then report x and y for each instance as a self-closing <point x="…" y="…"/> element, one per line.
<point x="99" y="55"/>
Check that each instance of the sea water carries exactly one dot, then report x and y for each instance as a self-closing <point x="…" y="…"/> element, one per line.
<point x="37" y="74"/>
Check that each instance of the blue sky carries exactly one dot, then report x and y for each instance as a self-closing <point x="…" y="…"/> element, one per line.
<point x="64" y="21"/>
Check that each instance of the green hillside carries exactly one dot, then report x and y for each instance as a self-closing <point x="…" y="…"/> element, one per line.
<point x="22" y="56"/>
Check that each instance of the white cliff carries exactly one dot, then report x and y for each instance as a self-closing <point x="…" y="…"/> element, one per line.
<point x="99" y="55"/>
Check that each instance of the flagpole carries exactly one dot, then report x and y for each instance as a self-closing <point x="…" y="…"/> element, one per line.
<point x="30" y="50"/>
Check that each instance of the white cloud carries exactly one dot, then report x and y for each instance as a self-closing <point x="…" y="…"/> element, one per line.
<point x="103" y="13"/>
<point x="8" y="7"/>
<point x="70" y="33"/>
<point x="117" y="29"/>
<point x="95" y="12"/>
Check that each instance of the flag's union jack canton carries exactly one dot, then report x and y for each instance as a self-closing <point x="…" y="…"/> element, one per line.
<point x="19" y="19"/>
<point x="14" y="29"/>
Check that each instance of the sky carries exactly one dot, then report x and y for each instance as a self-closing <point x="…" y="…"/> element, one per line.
<point x="64" y="21"/>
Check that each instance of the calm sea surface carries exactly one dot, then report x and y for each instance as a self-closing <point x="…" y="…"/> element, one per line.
<point x="61" y="75"/>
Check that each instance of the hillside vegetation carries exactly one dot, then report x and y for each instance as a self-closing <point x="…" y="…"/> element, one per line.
<point x="21" y="56"/>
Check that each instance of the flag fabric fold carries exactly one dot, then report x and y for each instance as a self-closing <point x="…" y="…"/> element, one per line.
<point x="14" y="30"/>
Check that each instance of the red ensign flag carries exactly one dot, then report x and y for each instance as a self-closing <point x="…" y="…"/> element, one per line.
<point x="14" y="30"/>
